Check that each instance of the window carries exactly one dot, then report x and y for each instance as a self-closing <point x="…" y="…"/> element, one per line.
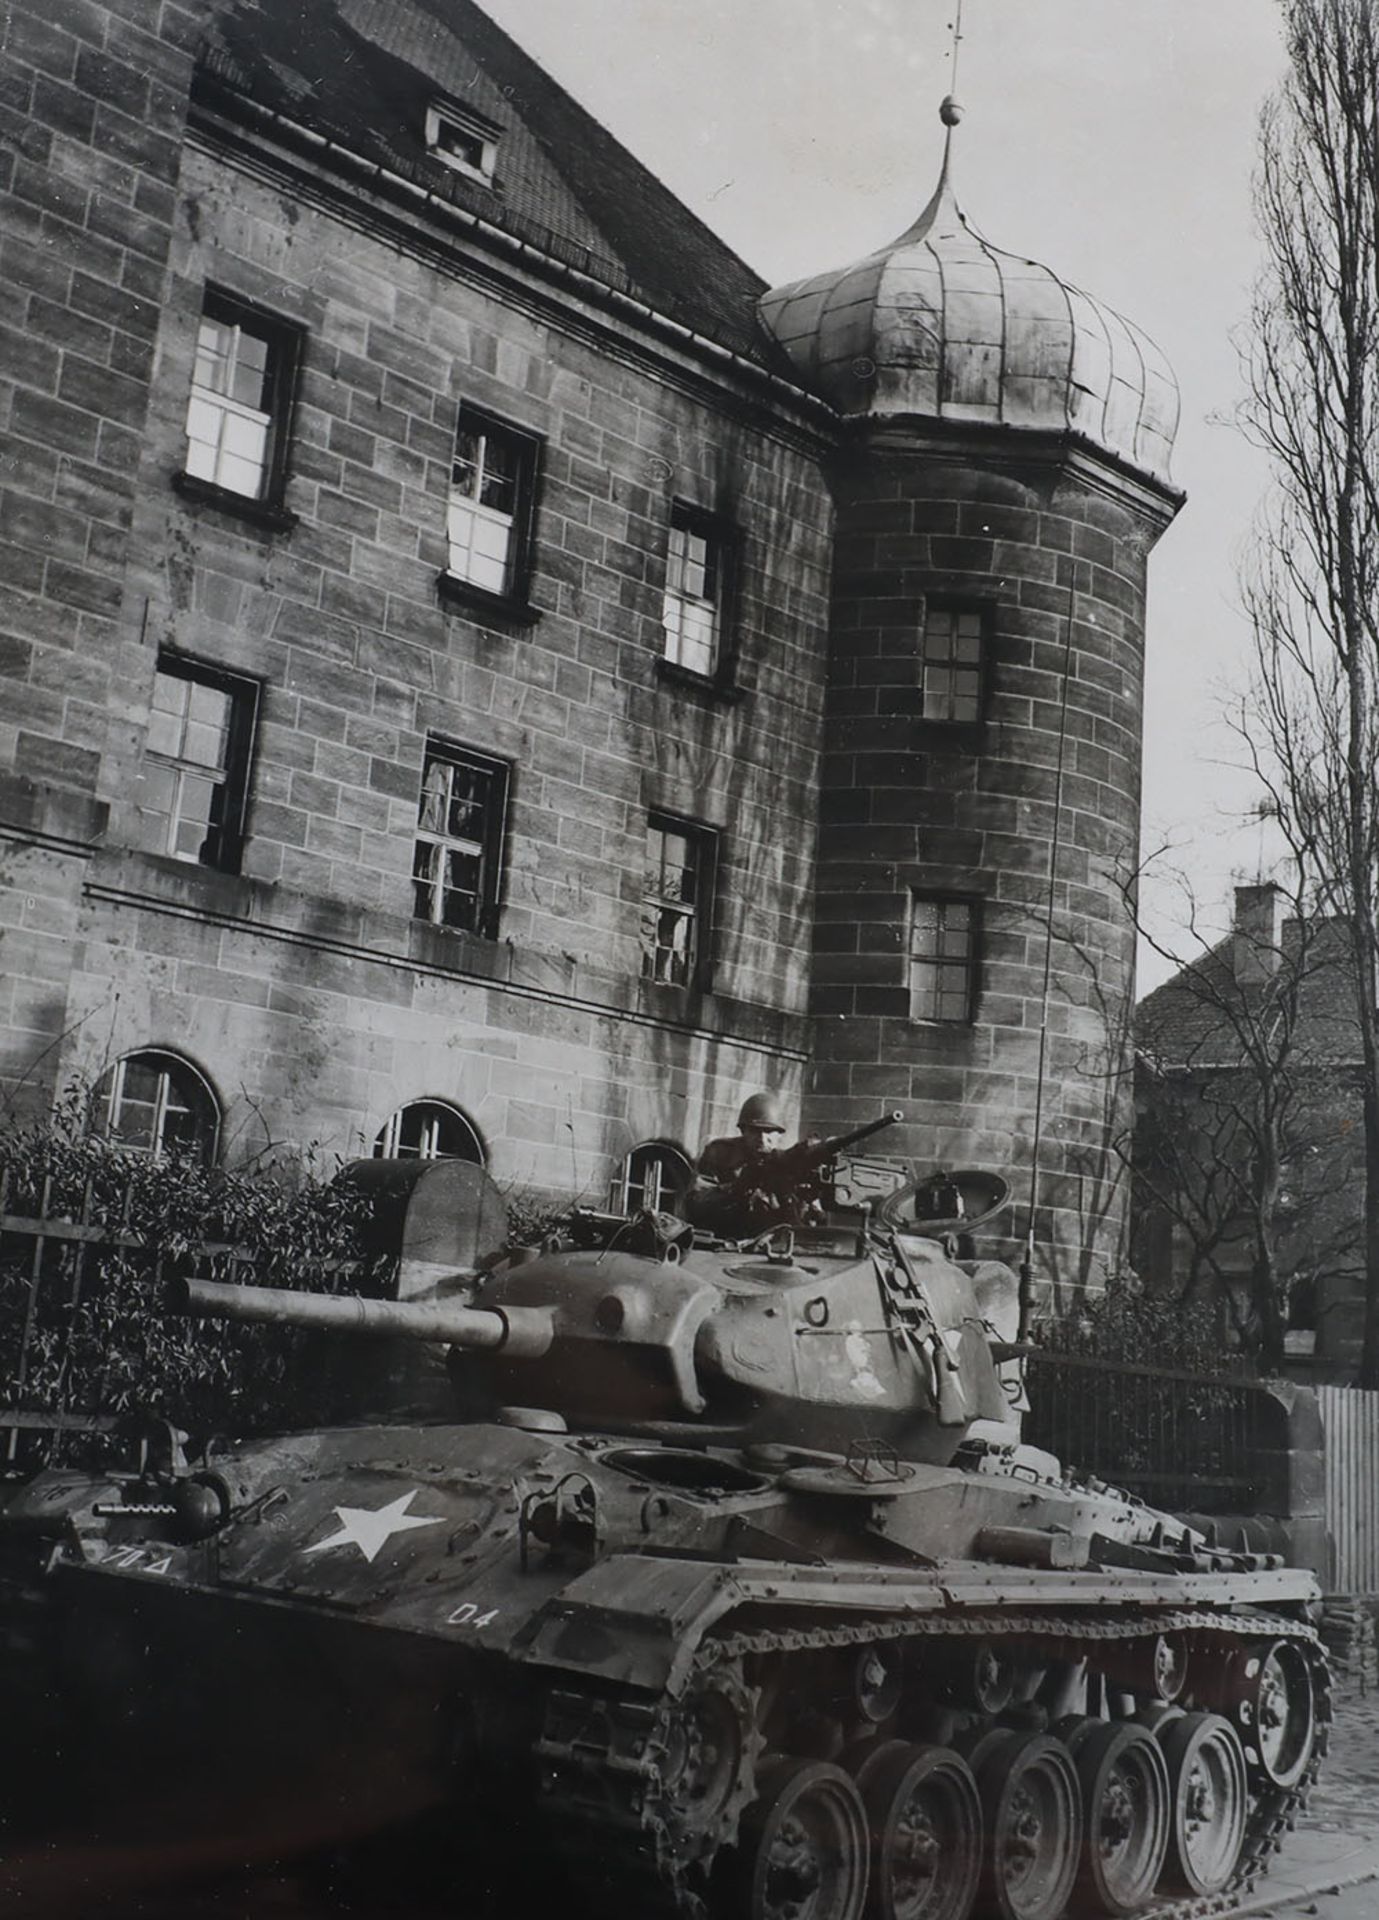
<point x="677" y="901"/>
<point x="943" y="956"/>
<point x="193" y="787"/>
<point x="429" y="1130"/>
<point x="464" y="140"/>
<point x="655" y="1176"/>
<point x="156" y="1103"/>
<point x="952" y="653"/>
<point x="241" y="401"/>
<point x="488" y="524"/>
<point x="696" y="581"/>
<point x="459" y="845"/>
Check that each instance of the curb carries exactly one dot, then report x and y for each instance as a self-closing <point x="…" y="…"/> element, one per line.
<point x="1289" y="1892"/>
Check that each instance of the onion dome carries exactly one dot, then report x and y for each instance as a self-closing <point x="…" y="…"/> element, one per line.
<point x="944" y="326"/>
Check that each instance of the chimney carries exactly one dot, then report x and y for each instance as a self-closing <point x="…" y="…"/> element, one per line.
<point x="1257" y="933"/>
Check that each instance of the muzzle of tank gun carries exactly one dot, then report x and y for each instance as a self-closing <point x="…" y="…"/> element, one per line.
<point x="525" y="1333"/>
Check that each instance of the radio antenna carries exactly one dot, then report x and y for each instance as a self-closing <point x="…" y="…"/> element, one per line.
<point x="1027" y="1264"/>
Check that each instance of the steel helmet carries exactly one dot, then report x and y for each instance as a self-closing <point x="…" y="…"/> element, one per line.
<point x="761" y="1110"/>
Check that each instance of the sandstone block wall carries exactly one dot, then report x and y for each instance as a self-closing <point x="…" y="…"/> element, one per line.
<point x="912" y="804"/>
<point x="303" y="987"/>
<point x="92" y="100"/>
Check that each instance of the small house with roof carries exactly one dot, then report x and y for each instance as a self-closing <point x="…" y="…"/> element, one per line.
<point x="1249" y="1160"/>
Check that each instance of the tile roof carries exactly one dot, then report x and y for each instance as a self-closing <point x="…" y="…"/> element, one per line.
<point x="1186" y="1022"/>
<point x="363" y="72"/>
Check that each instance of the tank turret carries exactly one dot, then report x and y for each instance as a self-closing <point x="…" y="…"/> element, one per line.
<point x="799" y="1334"/>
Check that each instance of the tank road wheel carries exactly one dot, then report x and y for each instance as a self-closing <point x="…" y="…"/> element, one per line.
<point x="1154" y="1719"/>
<point x="1033" y="1808"/>
<point x="1207" y="1802"/>
<point x="878" y="1680"/>
<point x="1124" y="1781"/>
<point x="976" y="1677"/>
<point x="1167" y="1668"/>
<point x="1273" y="1707"/>
<point x="804" y="1845"/>
<point x="925" y="1820"/>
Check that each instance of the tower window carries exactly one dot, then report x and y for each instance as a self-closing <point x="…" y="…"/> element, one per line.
<point x="457" y="863"/>
<point x="492" y="487"/>
<point x="677" y="900"/>
<point x="952" y="662"/>
<point x="942" y="945"/>
<point x="429" y="1130"/>
<point x="241" y="400"/>
<point x="462" y="140"/>
<point x="696" y="590"/>
<point x="193" y="787"/>
<point x="155" y="1103"/>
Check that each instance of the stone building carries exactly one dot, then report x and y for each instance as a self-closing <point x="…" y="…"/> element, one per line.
<point x="1249" y="1149"/>
<point x="484" y="674"/>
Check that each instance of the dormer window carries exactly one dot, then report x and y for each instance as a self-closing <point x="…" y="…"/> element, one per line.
<point x="463" y="140"/>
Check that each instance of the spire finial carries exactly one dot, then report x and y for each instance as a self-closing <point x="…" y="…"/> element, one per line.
<point x="950" y="108"/>
<point x="955" y="26"/>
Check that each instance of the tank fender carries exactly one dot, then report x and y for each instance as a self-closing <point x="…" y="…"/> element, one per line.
<point x="638" y="1620"/>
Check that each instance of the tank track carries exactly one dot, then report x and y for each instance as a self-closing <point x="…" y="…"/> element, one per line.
<point x="606" y="1811"/>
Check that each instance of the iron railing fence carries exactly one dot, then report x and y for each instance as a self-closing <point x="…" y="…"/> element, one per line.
<point x="85" y="1339"/>
<point x="1186" y="1442"/>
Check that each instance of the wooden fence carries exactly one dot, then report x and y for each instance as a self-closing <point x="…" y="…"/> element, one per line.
<point x="1350" y="1419"/>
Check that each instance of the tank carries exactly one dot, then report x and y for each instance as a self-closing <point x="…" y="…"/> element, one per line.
<point x="714" y="1582"/>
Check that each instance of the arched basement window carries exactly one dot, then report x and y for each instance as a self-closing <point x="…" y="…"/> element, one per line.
<point x="653" y="1175"/>
<point x="429" y="1130"/>
<point x="157" y="1103"/>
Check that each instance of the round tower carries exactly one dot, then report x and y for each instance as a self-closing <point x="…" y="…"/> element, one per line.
<point x="1002" y="478"/>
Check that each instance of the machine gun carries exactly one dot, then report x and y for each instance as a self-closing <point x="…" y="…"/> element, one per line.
<point x="780" y="1189"/>
<point x="808" y="1158"/>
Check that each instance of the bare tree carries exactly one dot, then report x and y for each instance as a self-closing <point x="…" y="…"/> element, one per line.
<point x="1231" y="1055"/>
<point x="1313" y="586"/>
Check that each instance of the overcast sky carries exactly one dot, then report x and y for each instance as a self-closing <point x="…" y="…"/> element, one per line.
<point x="1113" y="140"/>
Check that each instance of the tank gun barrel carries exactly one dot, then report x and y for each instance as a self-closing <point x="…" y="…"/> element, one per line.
<point x="522" y="1332"/>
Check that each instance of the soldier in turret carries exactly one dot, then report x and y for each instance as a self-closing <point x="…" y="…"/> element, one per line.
<point x="759" y="1127"/>
<point x="733" y="1192"/>
<point x="749" y="1184"/>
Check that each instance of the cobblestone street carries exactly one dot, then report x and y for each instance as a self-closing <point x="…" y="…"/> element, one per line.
<point x="1346" y="1798"/>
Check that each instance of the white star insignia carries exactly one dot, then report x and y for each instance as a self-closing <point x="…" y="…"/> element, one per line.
<point x="370" y="1528"/>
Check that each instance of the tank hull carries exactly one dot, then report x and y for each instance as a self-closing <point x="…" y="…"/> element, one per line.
<point x="601" y="1649"/>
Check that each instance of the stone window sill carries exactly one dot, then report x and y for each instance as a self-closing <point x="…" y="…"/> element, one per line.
<point x="270" y="515"/>
<point x="721" y="688"/>
<point x="463" y="595"/>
